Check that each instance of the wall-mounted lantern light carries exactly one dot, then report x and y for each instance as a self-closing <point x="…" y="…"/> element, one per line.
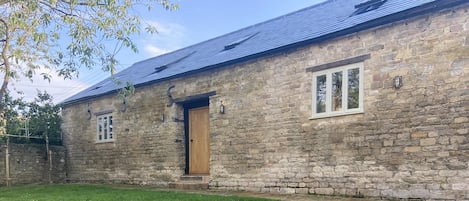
<point x="222" y="108"/>
<point x="397" y="82"/>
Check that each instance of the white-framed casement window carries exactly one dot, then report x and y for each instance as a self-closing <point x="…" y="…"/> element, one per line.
<point x="105" y="131"/>
<point x="338" y="91"/>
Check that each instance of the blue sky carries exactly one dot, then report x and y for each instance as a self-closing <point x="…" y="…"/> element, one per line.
<point x="197" y="21"/>
<point x="193" y="22"/>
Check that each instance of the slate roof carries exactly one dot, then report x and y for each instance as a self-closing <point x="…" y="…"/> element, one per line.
<point x="317" y="23"/>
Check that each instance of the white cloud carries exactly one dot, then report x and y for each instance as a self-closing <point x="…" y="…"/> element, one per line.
<point x="167" y="28"/>
<point x="153" y="50"/>
<point x="59" y="88"/>
<point x="170" y="37"/>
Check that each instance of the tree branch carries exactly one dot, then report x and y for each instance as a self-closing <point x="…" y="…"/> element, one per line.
<point x="83" y="3"/>
<point x="7" y="70"/>
<point x="57" y="9"/>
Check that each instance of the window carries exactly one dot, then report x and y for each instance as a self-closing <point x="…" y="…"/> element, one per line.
<point x="368" y="6"/>
<point x="167" y="65"/>
<point x="338" y="91"/>
<point x="105" y="130"/>
<point x="239" y="41"/>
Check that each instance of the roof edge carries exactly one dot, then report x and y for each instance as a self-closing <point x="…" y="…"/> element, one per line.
<point x="435" y="6"/>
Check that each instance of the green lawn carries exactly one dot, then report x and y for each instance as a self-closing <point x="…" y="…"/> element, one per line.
<point x="104" y="193"/>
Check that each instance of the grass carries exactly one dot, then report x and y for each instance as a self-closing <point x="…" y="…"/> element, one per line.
<point x="77" y="192"/>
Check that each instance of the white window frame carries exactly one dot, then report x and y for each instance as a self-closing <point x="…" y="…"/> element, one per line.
<point x="105" y="132"/>
<point x="328" y="73"/>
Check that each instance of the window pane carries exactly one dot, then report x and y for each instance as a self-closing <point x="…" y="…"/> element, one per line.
<point x="321" y="94"/>
<point x="336" y="90"/>
<point x="100" y="128"/>
<point x="353" y="88"/>
<point x="110" y="127"/>
<point x="105" y="127"/>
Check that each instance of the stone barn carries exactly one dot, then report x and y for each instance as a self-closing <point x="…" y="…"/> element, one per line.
<point x="347" y="97"/>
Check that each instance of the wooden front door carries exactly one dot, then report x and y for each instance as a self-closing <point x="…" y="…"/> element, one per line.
<point x="199" y="141"/>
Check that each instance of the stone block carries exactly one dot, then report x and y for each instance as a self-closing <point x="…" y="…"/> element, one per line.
<point x="443" y="154"/>
<point x="457" y="139"/>
<point x="447" y="173"/>
<point x="463" y="173"/>
<point x="462" y="131"/>
<point x="301" y="190"/>
<point x="324" y="191"/>
<point x="427" y="141"/>
<point x="388" y="143"/>
<point x="418" y="135"/>
<point x="419" y="193"/>
<point x="443" y="194"/>
<point x="443" y="140"/>
<point x="433" y="186"/>
<point x="461" y="186"/>
<point x="287" y="190"/>
<point x="461" y="120"/>
<point x="433" y="134"/>
<point x="412" y="149"/>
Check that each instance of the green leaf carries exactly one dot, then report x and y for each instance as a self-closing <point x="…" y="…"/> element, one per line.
<point x="72" y="34"/>
<point x="151" y="29"/>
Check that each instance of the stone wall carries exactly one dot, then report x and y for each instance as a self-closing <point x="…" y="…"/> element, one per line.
<point x="29" y="164"/>
<point x="408" y="143"/>
<point x="147" y="147"/>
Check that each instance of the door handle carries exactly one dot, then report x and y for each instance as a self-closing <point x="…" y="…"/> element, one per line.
<point x="192" y="140"/>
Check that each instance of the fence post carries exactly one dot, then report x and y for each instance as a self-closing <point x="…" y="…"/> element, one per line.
<point x="7" y="163"/>
<point x="49" y="158"/>
<point x="50" y="166"/>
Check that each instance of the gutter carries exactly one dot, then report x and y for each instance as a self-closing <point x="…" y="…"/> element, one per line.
<point x="396" y="17"/>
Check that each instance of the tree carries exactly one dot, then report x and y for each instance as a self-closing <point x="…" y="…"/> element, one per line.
<point x="65" y="35"/>
<point x="43" y="117"/>
<point x="12" y="112"/>
<point x="35" y="119"/>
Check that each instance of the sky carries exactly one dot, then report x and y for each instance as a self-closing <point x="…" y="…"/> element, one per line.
<point x="192" y="23"/>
